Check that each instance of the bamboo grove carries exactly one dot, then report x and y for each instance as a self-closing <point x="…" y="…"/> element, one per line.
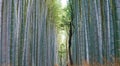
<point x="29" y="32"/>
<point x="96" y="31"/>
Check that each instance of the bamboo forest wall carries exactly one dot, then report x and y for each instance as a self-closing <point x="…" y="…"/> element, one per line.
<point x="27" y="33"/>
<point x="96" y="31"/>
<point x="117" y="29"/>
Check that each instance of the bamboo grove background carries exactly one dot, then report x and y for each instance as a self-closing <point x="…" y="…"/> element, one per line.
<point x="28" y="32"/>
<point x="96" y="31"/>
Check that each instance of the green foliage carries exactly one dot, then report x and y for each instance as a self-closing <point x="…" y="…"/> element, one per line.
<point x="61" y="16"/>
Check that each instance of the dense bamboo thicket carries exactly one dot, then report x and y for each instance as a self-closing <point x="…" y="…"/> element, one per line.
<point x="96" y="31"/>
<point x="31" y="30"/>
<point x="27" y="33"/>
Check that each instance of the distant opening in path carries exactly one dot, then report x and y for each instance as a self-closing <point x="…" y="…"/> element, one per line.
<point x="63" y="33"/>
<point x="64" y="3"/>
